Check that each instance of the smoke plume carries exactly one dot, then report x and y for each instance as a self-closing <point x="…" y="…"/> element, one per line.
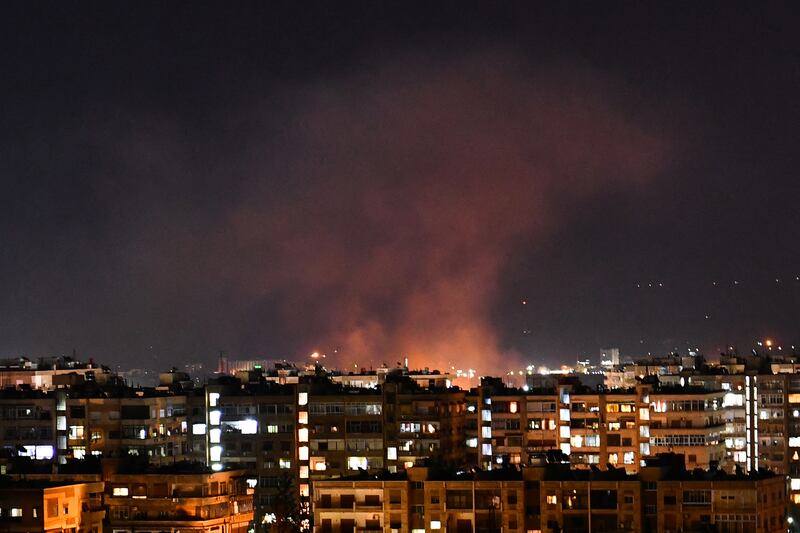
<point x="373" y="214"/>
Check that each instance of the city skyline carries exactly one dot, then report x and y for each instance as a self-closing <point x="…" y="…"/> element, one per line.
<point x="492" y="185"/>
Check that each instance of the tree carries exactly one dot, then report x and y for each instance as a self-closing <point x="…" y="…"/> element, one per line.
<point x="285" y="516"/>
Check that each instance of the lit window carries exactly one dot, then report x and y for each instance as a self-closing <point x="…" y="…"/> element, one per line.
<point x="486" y="415"/>
<point x="120" y="491"/>
<point x="246" y="427"/>
<point x="355" y="463"/>
<point x="565" y="448"/>
<point x="302" y="417"/>
<point x="318" y="464"/>
<point x="213" y="398"/>
<point x="513" y="407"/>
<point x="486" y="449"/>
<point x="76" y="432"/>
<point x="391" y="452"/>
<point x="302" y="453"/>
<point x="272" y="428"/>
<point x="628" y="458"/>
<point x="472" y="442"/>
<point x="304" y="490"/>
<point x="216" y="453"/>
<point x="552" y="499"/>
<point x="564" y="432"/>
<point x="302" y="398"/>
<point x="436" y="524"/>
<point x="214" y="435"/>
<point x="79" y="452"/>
<point x="284" y="463"/>
<point x="16" y="512"/>
<point x="564" y="415"/>
<point x="303" y="472"/>
<point x="214" y="417"/>
<point x="198" y="429"/>
<point x="486" y="432"/>
<point x="302" y="434"/>
<point x="216" y="467"/>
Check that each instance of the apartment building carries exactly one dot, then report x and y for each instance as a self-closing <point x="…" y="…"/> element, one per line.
<point x="663" y="497"/>
<point x="28" y="423"/>
<point x="420" y="499"/>
<point x="249" y="426"/>
<point x="49" y="373"/>
<point x="119" y="421"/>
<point x="183" y="496"/>
<point x="621" y="427"/>
<point x="51" y="506"/>
<point x="691" y="421"/>
<point x="88" y="419"/>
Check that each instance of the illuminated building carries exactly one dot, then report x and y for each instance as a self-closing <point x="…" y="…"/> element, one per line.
<point x="662" y="497"/>
<point x="51" y="506"/>
<point x="617" y="427"/>
<point x="48" y="373"/>
<point x="179" y="498"/>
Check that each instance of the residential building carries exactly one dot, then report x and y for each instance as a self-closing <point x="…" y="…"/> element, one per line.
<point x="51" y="506"/>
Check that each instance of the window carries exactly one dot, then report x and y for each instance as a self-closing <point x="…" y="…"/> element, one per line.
<point x="459" y="499"/>
<point x="285" y="463"/>
<point x="356" y="463"/>
<point x="696" y="497"/>
<point x="628" y="458"/>
<point x="76" y="432"/>
<point x="16" y="512"/>
<point x="552" y="499"/>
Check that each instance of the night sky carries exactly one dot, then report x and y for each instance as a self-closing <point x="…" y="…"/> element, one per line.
<point x="476" y="185"/>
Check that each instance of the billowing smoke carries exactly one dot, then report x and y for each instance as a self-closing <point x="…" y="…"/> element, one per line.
<point x="374" y="213"/>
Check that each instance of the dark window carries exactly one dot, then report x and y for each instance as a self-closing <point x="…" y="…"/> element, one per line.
<point x="128" y="412"/>
<point x="459" y="499"/>
<point x="77" y="411"/>
<point x="604" y="499"/>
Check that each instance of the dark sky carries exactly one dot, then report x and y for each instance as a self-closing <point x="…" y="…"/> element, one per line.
<point x="473" y="185"/>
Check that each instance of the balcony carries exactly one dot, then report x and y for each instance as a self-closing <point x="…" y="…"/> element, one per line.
<point x="330" y="506"/>
<point x="364" y="506"/>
